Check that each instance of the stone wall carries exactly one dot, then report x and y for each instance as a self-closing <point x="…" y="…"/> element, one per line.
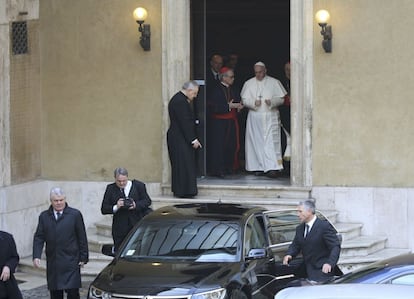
<point x="382" y="211"/>
<point x="20" y="206"/>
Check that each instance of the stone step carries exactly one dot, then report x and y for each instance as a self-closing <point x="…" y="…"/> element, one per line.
<point x="348" y="231"/>
<point x="97" y="236"/>
<point x="89" y="271"/>
<point x="362" y="246"/>
<point x="250" y="189"/>
<point x="26" y="266"/>
<point x="104" y="227"/>
<point x="350" y="263"/>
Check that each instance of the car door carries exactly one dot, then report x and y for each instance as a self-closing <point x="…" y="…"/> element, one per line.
<point x="259" y="262"/>
<point x="281" y="228"/>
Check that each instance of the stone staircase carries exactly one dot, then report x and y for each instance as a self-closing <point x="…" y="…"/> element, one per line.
<point x="357" y="250"/>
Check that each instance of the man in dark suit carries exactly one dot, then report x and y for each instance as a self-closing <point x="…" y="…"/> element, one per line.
<point x="213" y="73"/>
<point x="316" y="239"/>
<point x="9" y="259"/>
<point x="63" y="230"/>
<point x="128" y="201"/>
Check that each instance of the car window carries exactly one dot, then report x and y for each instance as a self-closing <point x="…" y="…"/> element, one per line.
<point x="196" y="240"/>
<point x="405" y="279"/>
<point x="282" y="225"/>
<point x="254" y="236"/>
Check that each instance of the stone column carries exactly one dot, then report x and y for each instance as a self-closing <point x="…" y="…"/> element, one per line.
<point x="175" y="61"/>
<point x="4" y="98"/>
<point x="301" y="47"/>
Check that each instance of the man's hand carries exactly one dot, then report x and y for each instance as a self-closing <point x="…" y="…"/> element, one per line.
<point x="286" y="259"/>
<point x="268" y="102"/>
<point x="5" y="274"/>
<point x="133" y="206"/>
<point x="120" y="203"/>
<point x="196" y="144"/>
<point x="81" y="264"/>
<point x="235" y="105"/>
<point x="258" y="103"/>
<point x="326" y="268"/>
<point x="36" y="263"/>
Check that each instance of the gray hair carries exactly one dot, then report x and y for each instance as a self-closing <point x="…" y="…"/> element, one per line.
<point x="309" y="205"/>
<point x="120" y="171"/>
<point x="190" y="85"/>
<point x="56" y="191"/>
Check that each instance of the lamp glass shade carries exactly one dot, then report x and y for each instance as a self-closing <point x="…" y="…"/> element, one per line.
<point x="322" y="16"/>
<point x="140" y="14"/>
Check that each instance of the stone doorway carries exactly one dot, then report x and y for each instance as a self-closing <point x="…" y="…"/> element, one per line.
<point x="177" y="51"/>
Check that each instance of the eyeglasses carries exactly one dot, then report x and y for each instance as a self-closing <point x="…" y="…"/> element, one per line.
<point x="231" y="77"/>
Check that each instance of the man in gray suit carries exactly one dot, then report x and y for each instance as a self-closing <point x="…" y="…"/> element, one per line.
<point x="316" y="239"/>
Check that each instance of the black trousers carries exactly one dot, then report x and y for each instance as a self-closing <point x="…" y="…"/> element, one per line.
<point x="58" y="294"/>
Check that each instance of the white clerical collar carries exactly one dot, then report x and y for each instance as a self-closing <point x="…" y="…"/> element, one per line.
<point x="128" y="188"/>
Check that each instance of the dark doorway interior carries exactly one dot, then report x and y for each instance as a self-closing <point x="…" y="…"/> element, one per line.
<point x="256" y="30"/>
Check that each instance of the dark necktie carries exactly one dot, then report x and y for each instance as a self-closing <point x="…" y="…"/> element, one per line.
<point x="306" y="230"/>
<point x="59" y="215"/>
<point x="123" y="193"/>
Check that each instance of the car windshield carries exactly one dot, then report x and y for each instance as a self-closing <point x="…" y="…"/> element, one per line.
<point x="197" y="240"/>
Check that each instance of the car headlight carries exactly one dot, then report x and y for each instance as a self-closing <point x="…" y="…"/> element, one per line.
<point x="95" y="293"/>
<point x="214" y="294"/>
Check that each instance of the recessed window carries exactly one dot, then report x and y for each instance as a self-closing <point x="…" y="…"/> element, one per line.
<point x="19" y="38"/>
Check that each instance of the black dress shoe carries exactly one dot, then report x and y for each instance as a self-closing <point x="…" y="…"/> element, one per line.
<point x="184" y="195"/>
<point x="273" y="174"/>
<point x="219" y="175"/>
<point x="259" y="173"/>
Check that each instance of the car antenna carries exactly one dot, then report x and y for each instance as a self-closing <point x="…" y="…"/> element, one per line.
<point x="219" y="201"/>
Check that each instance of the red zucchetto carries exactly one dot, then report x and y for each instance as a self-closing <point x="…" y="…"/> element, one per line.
<point x="224" y="69"/>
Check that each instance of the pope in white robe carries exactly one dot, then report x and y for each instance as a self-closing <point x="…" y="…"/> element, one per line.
<point x="262" y="95"/>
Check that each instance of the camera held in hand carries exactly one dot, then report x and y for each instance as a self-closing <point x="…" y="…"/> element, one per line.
<point x="128" y="202"/>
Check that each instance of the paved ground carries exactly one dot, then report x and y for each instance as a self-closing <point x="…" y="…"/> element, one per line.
<point x="42" y="292"/>
<point x="34" y="286"/>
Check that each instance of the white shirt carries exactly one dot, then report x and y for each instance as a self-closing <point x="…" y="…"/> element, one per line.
<point x="126" y="191"/>
<point x="310" y="224"/>
<point x="56" y="213"/>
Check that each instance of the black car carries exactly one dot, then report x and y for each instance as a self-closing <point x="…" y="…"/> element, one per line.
<point x="395" y="270"/>
<point x="201" y="251"/>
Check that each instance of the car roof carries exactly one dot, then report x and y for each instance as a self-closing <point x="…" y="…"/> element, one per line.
<point x="347" y="291"/>
<point x="209" y="210"/>
<point x="403" y="259"/>
<point x="406" y="259"/>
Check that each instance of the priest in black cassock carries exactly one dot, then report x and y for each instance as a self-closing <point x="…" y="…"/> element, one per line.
<point x="223" y="126"/>
<point x="9" y="259"/>
<point x="182" y="141"/>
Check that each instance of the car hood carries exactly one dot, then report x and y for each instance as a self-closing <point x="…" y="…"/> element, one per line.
<point x="164" y="278"/>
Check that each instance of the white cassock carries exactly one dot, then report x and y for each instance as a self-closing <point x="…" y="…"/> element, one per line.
<point x="262" y="145"/>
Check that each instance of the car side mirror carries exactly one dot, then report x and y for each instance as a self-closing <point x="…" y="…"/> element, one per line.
<point x="256" y="253"/>
<point x="107" y="249"/>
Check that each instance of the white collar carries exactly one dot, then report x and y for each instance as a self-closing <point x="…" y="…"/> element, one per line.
<point x="128" y="188"/>
<point x="310" y="223"/>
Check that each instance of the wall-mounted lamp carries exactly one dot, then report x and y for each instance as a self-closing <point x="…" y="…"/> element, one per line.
<point x="140" y="14"/>
<point x="322" y="17"/>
